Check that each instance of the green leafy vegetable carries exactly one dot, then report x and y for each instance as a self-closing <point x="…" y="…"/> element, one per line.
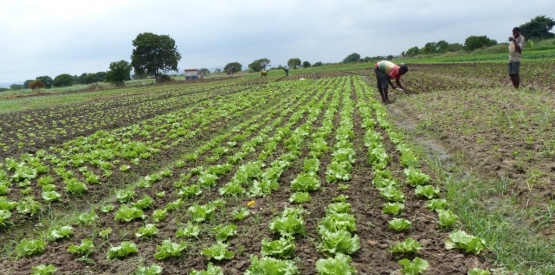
<point x="240" y="214"/>
<point x="340" y="265"/>
<point x="407" y="246"/>
<point x="125" y="249"/>
<point x="44" y="270"/>
<point x="416" y="177"/>
<point x="60" y="232"/>
<point x="478" y="271"/>
<point x="218" y="252"/>
<point x="305" y="182"/>
<point x="146" y="231"/>
<point x="223" y="232"/>
<point x="210" y="270"/>
<point x="267" y="265"/>
<point x="399" y="224"/>
<point x="201" y="213"/>
<point x="300" y="197"/>
<point x="154" y="269"/>
<point x="340" y="241"/>
<point x="191" y="230"/>
<point x="85" y="248"/>
<point x="159" y="215"/>
<point x="465" y="242"/>
<point x="427" y="191"/>
<point x="280" y="249"/>
<point x="436" y="204"/>
<point x="414" y="267"/>
<point x="392" y="208"/>
<point x="126" y="213"/>
<point x="169" y="249"/>
<point x="446" y="218"/>
<point x="27" y="248"/>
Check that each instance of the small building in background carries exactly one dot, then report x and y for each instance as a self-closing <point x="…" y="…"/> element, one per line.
<point x="193" y="74"/>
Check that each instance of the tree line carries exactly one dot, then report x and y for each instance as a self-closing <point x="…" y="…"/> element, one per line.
<point x="537" y="28"/>
<point x="153" y="56"/>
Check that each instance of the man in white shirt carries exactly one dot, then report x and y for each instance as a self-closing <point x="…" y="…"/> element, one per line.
<point x="515" y="50"/>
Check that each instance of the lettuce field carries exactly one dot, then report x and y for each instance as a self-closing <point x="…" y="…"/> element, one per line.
<point x="305" y="174"/>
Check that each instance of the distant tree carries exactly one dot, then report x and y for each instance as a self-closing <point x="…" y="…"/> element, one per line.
<point x="538" y="28"/>
<point x="218" y="70"/>
<point x="119" y="72"/>
<point x="293" y="63"/>
<point x="80" y="79"/>
<point x="403" y="53"/>
<point x="16" y="87"/>
<point x="62" y="80"/>
<point x="412" y="51"/>
<point x="26" y="83"/>
<point x="317" y="64"/>
<point x="36" y="85"/>
<point x="442" y="46"/>
<point x="476" y="42"/>
<point x="101" y="76"/>
<point x="234" y="67"/>
<point x="453" y="47"/>
<point x="205" y="71"/>
<point x="429" y="48"/>
<point x="154" y="54"/>
<point x="306" y="64"/>
<point x="259" y="64"/>
<point x="89" y="78"/>
<point x="47" y="80"/>
<point x="390" y="57"/>
<point x="354" y="57"/>
<point x="3" y="89"/>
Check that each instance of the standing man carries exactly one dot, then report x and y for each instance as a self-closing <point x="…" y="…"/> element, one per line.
<point x="385" y="71"/>
<point x="515" y="50"/>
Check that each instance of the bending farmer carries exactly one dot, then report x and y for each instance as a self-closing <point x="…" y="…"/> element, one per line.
<point x="385" y="71"/>
<point x="286" y="71"/>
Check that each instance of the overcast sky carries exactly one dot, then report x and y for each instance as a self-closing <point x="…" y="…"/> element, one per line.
<point x="53" y="37"/>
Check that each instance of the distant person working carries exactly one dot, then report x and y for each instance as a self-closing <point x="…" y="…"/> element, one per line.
<point x="286" y="71"/>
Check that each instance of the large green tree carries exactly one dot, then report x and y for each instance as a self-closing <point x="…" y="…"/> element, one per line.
<point x="306" y="64"/>
<point x="204" y="71"/>
<point x="293" y="63"/>
<point x="317" y="64"/>
<point x="259" y="64"/>
<point x="62" y="80"/>
<point x="119" y="72"/>
<point x="47" y="80"/>
<point x="476" y="42"/>
<point x="352" y="58"/>
<point x="154" y="54"/>
<point x="234" y="67"/>
<point x="538" y="28"/>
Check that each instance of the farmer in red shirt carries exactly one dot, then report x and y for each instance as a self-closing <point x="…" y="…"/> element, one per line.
<point x="385" y="71"/>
